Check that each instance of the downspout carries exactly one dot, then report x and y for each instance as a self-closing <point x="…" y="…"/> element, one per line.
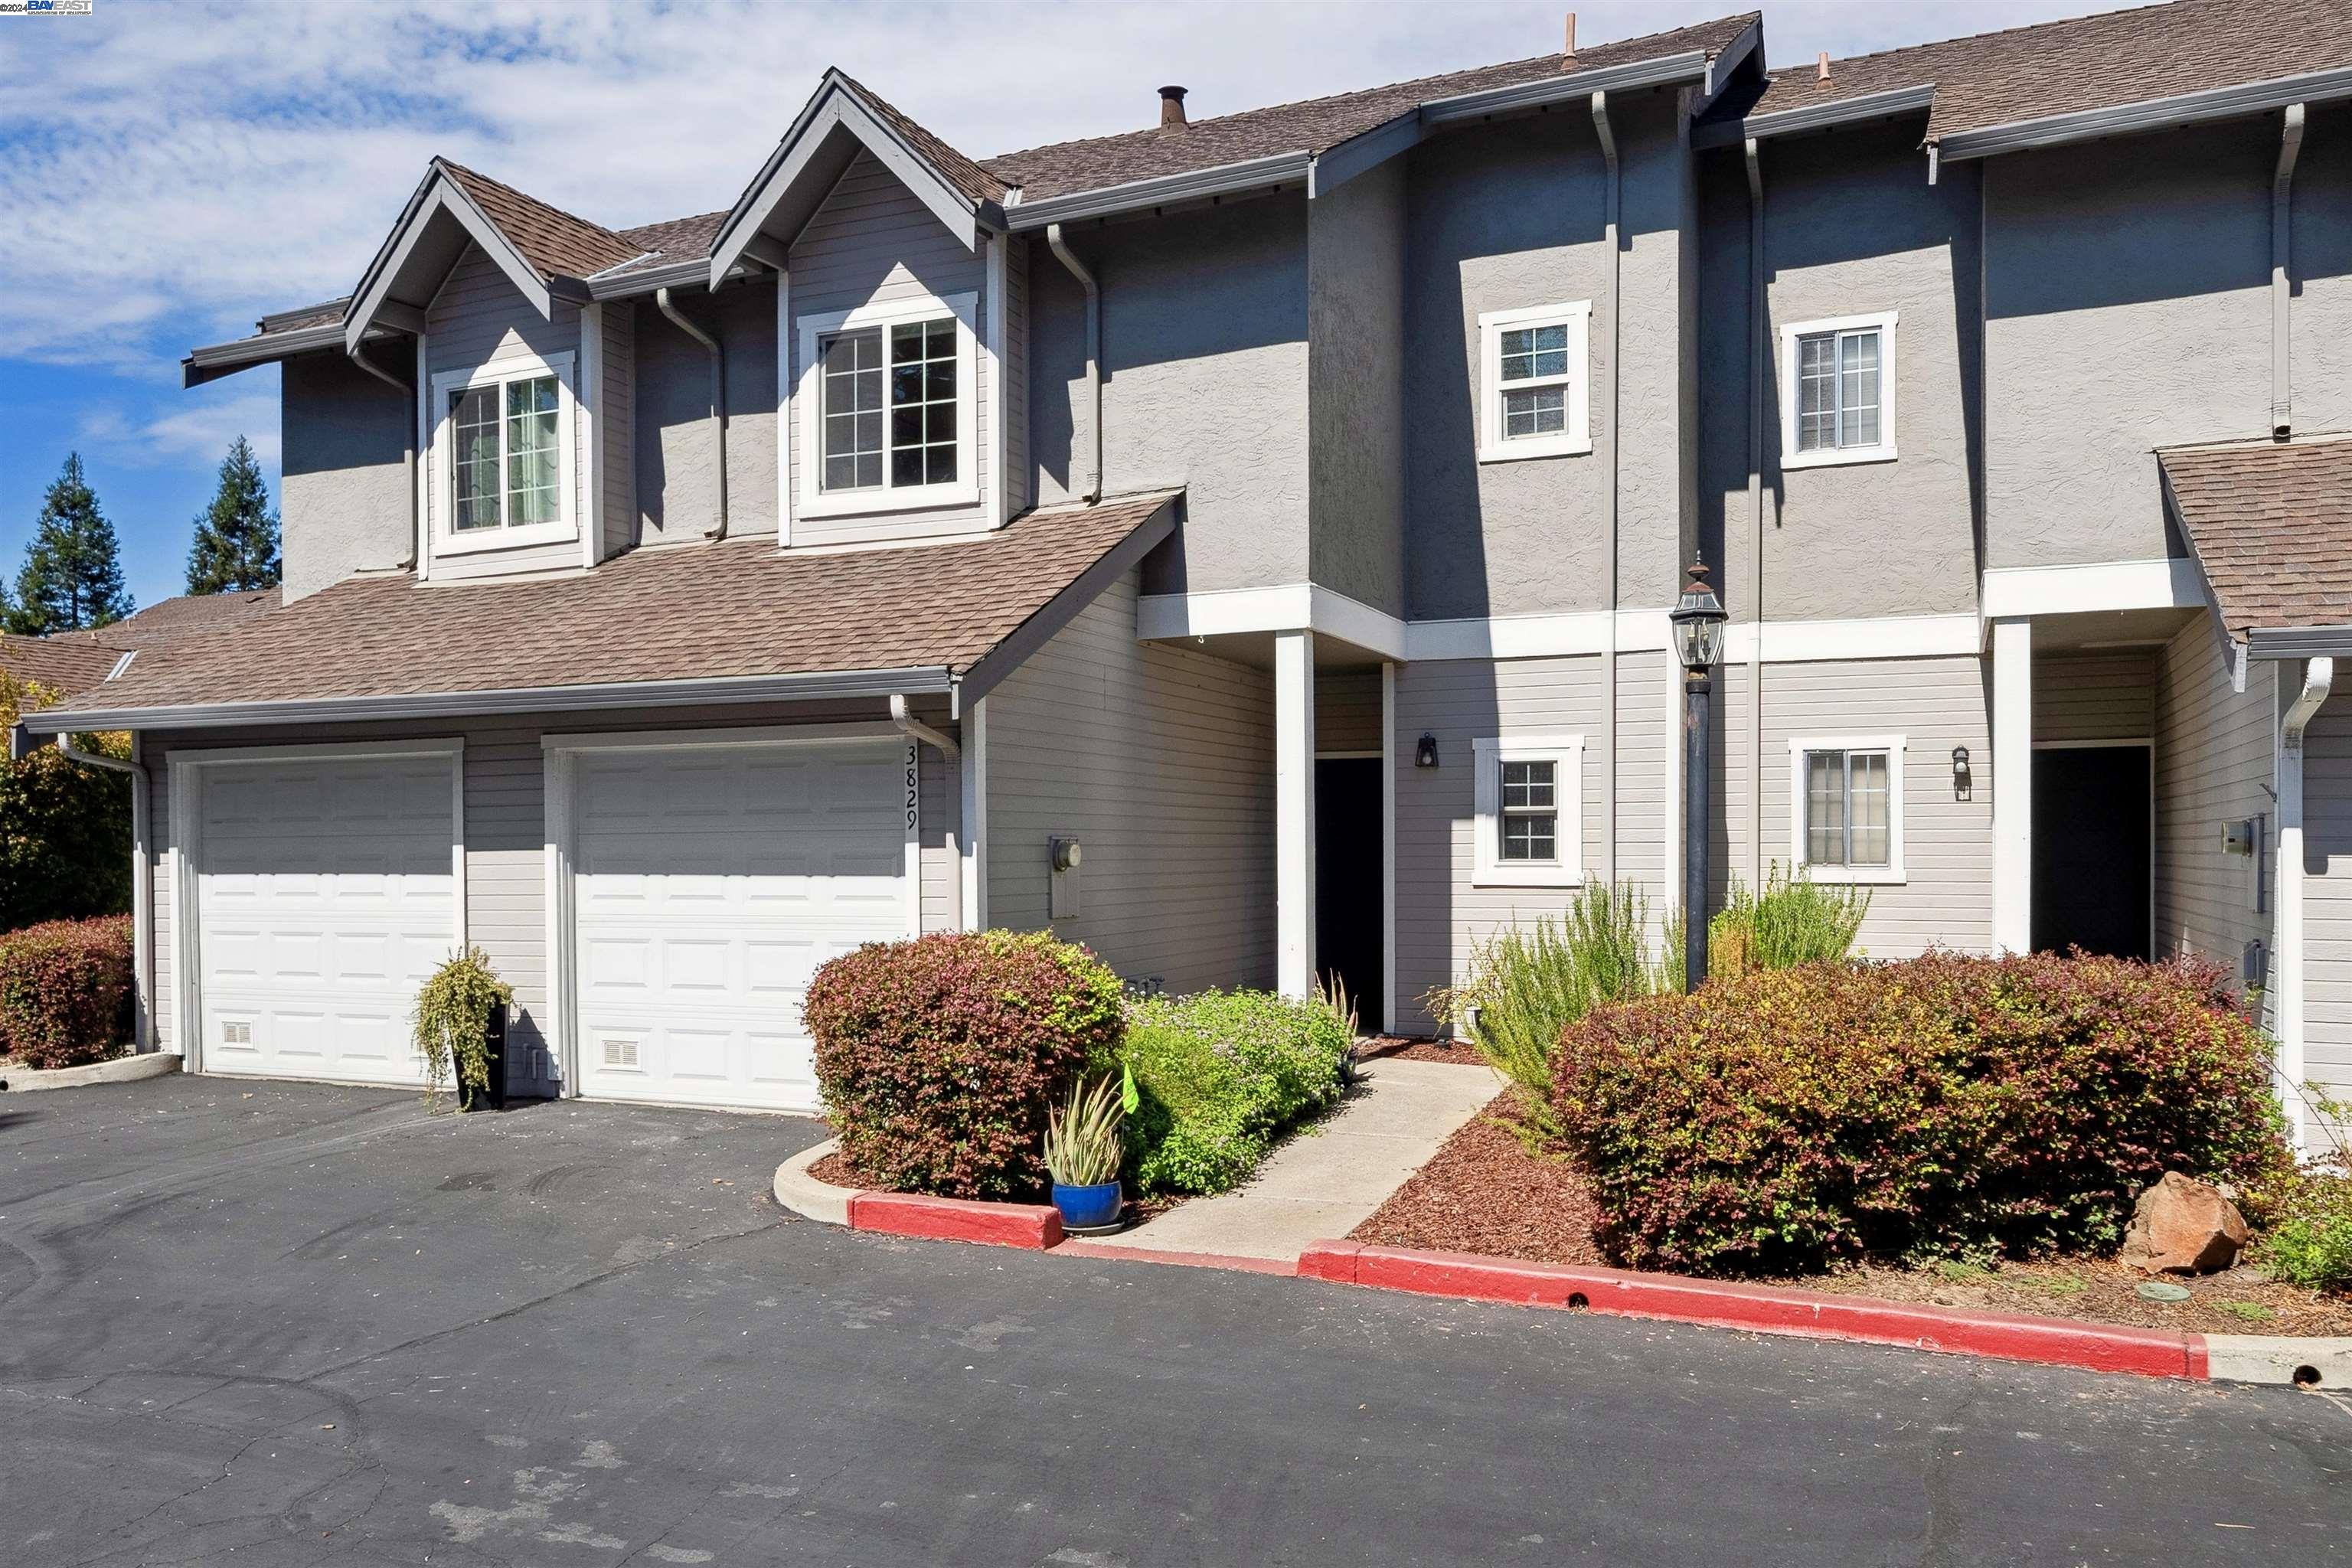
<point x="358" y="353"/>
<point x="143" y="881"/>
<point x="717" y="399"/>
<point x="2319" y="675"/>
<point x="1094" y="353"/>
<point x="2281" y="241"/>
<point x="923" y="734"/>
<point x="1759" y="359"/>
<point x="914" y="729"/>
<point x="1611" y="219"/>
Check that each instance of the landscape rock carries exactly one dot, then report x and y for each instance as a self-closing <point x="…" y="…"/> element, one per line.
<point x="2182" y="1225"/>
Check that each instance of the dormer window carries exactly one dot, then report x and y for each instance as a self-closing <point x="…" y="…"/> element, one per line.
<point x="504" y="446"/>
<point x="886" y="394"/>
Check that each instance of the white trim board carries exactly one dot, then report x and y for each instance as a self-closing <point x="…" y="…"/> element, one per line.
<point x="1488" y="753"/>
<point x="2170" y="583"/>
<point x="1882" y="450"/>
<point x="813" y="499"/>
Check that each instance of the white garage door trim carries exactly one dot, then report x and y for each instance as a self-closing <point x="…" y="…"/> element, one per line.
<point x="186" y="771"/>
<point x="560" y="755"/>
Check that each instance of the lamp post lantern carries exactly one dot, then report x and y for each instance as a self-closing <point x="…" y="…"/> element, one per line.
<point x="1697" y="619"/>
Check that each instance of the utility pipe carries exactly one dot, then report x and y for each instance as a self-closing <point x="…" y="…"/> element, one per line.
<point x="1077" y="270"/>
<point x="2282" y="243"/>
<point x="717" y="399"/>
<point x="1760" y="375"/>
<point x="142" y="880"/>
<point x="358" y="354"/>
<point x="1612" y="221"/>
<point x="2318" y="678"/>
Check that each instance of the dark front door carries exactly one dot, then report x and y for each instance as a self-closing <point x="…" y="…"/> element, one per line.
<point x="1347" y="881"/>
<point x="2091" y="849"/>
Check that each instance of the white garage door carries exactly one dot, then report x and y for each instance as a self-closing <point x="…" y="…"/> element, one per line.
<point x="325" y="896"/>
<point x="709" y="885"/>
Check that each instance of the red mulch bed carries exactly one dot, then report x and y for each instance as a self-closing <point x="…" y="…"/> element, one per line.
<point x="836" y="1169"/>
<point x="1413" y="1048"/>
<point x="1483" y="1192"/>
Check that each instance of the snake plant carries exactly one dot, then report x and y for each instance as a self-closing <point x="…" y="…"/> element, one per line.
<point x="1082" y="1137"/>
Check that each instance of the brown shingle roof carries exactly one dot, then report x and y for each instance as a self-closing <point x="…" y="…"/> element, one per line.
<point x="65" y="665"/>
<point x="2088" y="62"/>
<point x="695" y="612"/>
<point x="189" y="615"/>
<point x="973" y="181"/>
<point x="1317" y="125"/>
<point x="555" y="243"/>
<point x="2272" y="525"/>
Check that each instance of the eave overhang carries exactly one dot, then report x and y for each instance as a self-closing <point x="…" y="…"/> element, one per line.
<point x="2148" y="114"/>
<point x="1864" y="107"/>
<point x="432" y="234"/>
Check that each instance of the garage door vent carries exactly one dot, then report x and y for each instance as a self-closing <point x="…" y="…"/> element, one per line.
<point x="620" y="1053"/>
<point x="235" y="1033"/>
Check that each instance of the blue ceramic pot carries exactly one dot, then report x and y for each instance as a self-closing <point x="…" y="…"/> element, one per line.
<point x="1088" y="1206"/>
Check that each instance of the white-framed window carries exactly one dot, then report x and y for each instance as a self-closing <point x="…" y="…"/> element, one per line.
<point x="1530" y="800"/>
<point x="1845" y="814"/>
<point x="504" y="456"/>
<point x="1535" y="384"/>
<point x="888" y="395"/>
<point x="1837" y="391"/>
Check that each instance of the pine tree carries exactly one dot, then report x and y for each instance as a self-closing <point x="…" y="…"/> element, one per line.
<point x="236" y="536"/>
<point x="72" y="576"/>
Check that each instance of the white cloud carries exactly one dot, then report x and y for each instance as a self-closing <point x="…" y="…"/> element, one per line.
<point x="196" y="432"/>
<point x="197" y="165"/>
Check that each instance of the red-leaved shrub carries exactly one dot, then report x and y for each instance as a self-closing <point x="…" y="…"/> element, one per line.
<point x="1948" y="1104"/>
<point x="64" y="986"/>
<point x="939" y="1057"/>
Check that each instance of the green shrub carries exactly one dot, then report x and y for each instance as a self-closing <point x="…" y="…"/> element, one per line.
<point x="1525" y="984"/>
<point x="2302" y="1220"/>
<point x="1791" y="921"/>
<point x="65" y="826"/>
<point x="1218" y="1075"/>
<point x="65" y="990"/>
<point x="940" y="1058"/>
<point x="1942" y="1106"/>
<point x="453" y="1021"/>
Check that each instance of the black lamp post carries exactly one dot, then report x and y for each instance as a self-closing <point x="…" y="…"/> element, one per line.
<point x="1697" y="619"/>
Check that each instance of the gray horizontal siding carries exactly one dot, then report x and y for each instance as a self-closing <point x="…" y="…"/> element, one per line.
<point x="2095" y="697"/>
<point x="2327" y="907"/>
<point x="2213" y="766"/>
<point x="1348" y="710"/>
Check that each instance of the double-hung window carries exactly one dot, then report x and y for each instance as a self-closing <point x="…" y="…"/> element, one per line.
<point x="505" y="445"/>
<point x="1528" y="795"/>
<point x="1847" y="821"/>
<point x="1535" y="396"/>
<point x="888" y="399"/>
<point x="1837" y="393"/>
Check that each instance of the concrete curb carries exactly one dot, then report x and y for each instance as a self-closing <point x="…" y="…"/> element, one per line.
<point x="2149" y="1353"/>
<point x="805" y="1194"/>
<point x="2310" y="1362"/>
<point x="115" y="1070"/>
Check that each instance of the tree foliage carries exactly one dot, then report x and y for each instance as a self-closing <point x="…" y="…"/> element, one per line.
<point x="236" y="536"/>
<point x="72" y="575"/>
<point x="65" y="826"/>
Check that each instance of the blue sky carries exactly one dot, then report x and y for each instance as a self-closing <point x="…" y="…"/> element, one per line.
<point x="170" y="170"/>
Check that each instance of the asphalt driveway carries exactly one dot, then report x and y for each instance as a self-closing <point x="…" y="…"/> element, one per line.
<point x="278" y="1324"/>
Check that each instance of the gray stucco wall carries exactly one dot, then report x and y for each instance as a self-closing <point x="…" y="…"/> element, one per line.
<point x="677" y="471"/>
<point x="1852" y="227"/>
<point x="2322" y="269"/>
<point x="343" y="504"/>
<point x="1204" y="343"/>
<point x="1512" y="215"/>
<point x="1356" y="382"/>
<point x="2128" y="305"/>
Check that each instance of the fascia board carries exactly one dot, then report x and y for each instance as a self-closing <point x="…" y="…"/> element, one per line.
<point x="2148" y="114"/>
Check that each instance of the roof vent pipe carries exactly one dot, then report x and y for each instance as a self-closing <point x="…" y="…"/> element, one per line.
<point x="2281" y="290"/>
<point x="1172" y="107"/>
<point x="717" y="399"/>
<point x="1567" y="35"/>
<point x="358" y="354"/>
<point x="1094" y="353"/>
<point x="1822" y="65"/>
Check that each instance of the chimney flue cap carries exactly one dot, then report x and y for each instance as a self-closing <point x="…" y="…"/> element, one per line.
<point x="1171" y="106"/>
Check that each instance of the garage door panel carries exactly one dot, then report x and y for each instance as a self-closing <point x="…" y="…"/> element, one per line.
<point x="708" y="885"/>
<point x="326" y="895"/>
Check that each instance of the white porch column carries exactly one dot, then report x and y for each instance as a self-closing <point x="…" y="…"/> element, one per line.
<point x="2286" y="961"/>
<point x="1294" y="813"/>
<point x="2012" y="785"/>
<point x="972" y="793"/>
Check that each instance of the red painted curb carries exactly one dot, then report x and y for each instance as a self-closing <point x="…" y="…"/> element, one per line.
<point x="1036" y="1227"/>
<point x="1761" y="1309"/>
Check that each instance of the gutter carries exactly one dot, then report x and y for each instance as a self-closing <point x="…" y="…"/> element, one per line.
<point x="1816" y="116"/>
<point x="793" y="688"/>
<point x="2319" y="676"/>
<point x="1612" y="213"/>
<point x="1077" y="270"/>
<point x="358" y="352"/>
<point x="143" y="881"/>
<point x="717" y="399"/>
<point x="2282" y="246"/>
<point x="2149" y="114"/>
<point x="914" y="729"/>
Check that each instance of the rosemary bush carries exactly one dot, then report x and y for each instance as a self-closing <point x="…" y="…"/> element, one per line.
<point x="1792" y="920"/>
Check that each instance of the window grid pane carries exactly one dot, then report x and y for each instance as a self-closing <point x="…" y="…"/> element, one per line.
<point x="1825" y="808"/>
<point x="1539" y="412"/>
<point x="532" y="465"/>
<point x="1530" y="811"/>
<point x="1858" y="389"/>
<point x="474" y="494"/>
<point x="852" y="410"/>
<point x="1816" y="389"/>
<point x="923" y="403"/>
<point x="1866" y="812"/>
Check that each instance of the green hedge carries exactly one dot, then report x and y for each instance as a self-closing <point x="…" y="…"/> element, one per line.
<point x="1218" y="1075"/>
<point x="1944" y="1105"/>
<point x="65" y="826"/>
<point x="65" y="990"/>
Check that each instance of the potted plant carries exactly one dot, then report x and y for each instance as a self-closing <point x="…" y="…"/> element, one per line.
<point x="461" y="1025"/>
<point x="1082" y="1154"/>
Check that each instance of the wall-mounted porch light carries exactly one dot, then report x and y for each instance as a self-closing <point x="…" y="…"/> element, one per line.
<point x="1424" y="750"/>
<point x="1961" y="781"/>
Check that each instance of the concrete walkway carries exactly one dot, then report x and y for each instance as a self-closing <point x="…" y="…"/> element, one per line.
<point x="1323" y="1183"/>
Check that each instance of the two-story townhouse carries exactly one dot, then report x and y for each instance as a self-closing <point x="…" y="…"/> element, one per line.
<point x="1243" y="544"/>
